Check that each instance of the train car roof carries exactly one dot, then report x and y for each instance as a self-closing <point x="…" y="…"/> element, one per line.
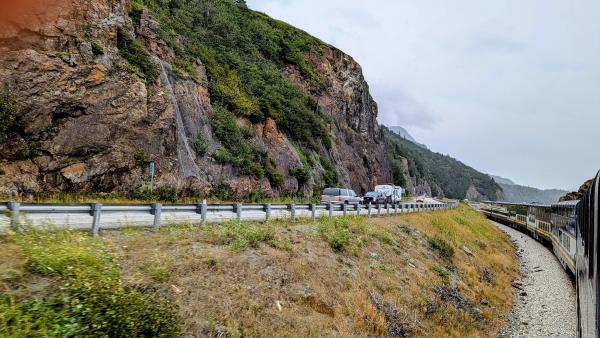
<point x="566" y="203"/>
<point x="521" y="204"/>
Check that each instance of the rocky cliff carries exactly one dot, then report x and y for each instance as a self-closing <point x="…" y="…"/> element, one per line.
<point x="576" y="195"/>
<point x="104" y="87"/>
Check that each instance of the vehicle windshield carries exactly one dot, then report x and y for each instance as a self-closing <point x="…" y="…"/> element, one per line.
<point x="371" y="194"/>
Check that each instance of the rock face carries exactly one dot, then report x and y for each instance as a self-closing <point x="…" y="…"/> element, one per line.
<point x="576" y="195"/>
<point x="359" y="147"/>
<point x="89" y="122"/>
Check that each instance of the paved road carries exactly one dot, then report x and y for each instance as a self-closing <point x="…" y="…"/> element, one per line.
<point x="546" y="303"/>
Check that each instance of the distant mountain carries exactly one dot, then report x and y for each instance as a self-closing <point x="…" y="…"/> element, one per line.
<point x="406" y="135"/>
<point x="502" y="180"/>
<point x="522" y="194"/>
<point x="422" y="171"/>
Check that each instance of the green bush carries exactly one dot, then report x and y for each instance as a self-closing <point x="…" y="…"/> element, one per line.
<point x="346" y="234"/>
<point x="10" y="109"/>
<point x="235" y="149"/>
<point x="199" y="145"/>
<point x="441" y="271"/>
<point x="440" y="247"/>
<point x="240" y="236"/>
<point x="302" y="174"/>
<point x="137" y="56"/>
<point x="141" y="158"/>
<point x="330" y="176"/>
<point x="91" y="301"/>
<point x="97" y="48"/>
<point x="164" y="193"/>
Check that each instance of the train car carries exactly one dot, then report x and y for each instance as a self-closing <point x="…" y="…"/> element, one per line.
<point x="587" y="262"/>
<point x="562" y="226"/>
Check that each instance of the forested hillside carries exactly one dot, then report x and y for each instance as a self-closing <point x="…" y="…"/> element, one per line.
<point x="425" y="172"/>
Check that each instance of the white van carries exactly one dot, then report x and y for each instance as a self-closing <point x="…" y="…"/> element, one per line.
<point x="391" y="193"/>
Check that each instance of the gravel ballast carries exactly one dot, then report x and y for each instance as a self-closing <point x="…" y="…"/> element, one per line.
<point x="545" y="304"/>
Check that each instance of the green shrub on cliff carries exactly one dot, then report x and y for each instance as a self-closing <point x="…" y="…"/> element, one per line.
<point x="137" y="56"/>
<point x="235" y="148"/>
<point x="10" y="109"/>
<point x="244" y="52"/>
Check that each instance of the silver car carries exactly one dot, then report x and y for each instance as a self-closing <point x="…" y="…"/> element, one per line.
<point x="340" y="196"/>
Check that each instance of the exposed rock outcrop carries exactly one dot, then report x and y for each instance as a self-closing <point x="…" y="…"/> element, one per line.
<point x="89" y="122"/>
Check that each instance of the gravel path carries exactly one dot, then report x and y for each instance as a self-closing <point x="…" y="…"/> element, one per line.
<point x="545" y="305"/>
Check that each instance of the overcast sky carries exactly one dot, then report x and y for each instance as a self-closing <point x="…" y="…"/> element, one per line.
<point x="509" y="87"/>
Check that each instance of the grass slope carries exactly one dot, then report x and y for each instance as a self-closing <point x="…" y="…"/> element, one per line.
<point x="442" y="171"/>
<point x="399" y="275"/>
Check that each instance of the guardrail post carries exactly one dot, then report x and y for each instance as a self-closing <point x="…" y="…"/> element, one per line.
<point x="267" y="211"/>
<point x="238" y="211"/>
<point x="313" y="212"/>
<point x="157" y="212"/>
<point x="357" y="209"/>
<point x="293" y="211"/>
<point x="369" y="210"/>
<point x="330" y="206"/>
<point x="395" y="208"/>
<point x="96" y="212"/>
<point x="387" y="208"/>
<point x="378" y="209"/>
<point x="203" y="211"/>
<point x="344" y="208"/>
<point x="14" y="214"/>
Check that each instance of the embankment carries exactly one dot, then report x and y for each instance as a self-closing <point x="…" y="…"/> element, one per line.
<point x="432" y="274"/>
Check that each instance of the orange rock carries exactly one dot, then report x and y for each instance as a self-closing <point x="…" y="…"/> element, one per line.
<point x="97" y="75"/>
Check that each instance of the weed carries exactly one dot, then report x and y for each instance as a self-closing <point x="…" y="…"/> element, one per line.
<point x="211" y="262"/>
<point x="405" y="229"/>
<point x="164" y="193"/>
<point x="240" y="236"/>
<point x="441" y="271"/>
<point x="344" y="233"/>
<point x="384" y="236"/>
<point x="440" y="247"/>
<point x="159" y="267"/>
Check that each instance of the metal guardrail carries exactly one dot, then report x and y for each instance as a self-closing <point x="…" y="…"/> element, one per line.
<point x="95" y="216"/>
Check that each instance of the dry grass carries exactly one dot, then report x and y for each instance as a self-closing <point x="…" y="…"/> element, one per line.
<point x="323" y="278"/>
<point x="385" y="279"/>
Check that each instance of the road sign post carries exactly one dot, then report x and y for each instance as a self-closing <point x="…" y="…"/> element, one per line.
<point x="151" y="176"/>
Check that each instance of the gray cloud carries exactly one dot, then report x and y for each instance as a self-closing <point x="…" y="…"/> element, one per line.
<point x="509" y="87"/>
